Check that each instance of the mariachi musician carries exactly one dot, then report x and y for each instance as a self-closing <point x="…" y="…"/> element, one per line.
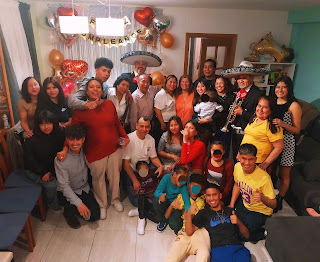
<point x="249" y="95"/>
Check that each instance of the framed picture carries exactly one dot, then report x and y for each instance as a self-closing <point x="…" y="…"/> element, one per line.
<point x="5" y="100"/>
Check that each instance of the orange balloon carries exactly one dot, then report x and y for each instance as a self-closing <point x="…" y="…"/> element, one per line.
<point x="56" y="57"/>
<point x="157" y="78"/>
<point x="166" y="40"/>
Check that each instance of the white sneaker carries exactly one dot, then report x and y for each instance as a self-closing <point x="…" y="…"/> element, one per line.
<point x="141" y="226"/>
<point x="118" y="206"/>
<point x="103" y="213"/>
<point x="133" y="212"/>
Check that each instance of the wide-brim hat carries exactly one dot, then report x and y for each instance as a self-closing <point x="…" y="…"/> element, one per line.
<point x="151" y="59"/>
<point x="245" y="68"/>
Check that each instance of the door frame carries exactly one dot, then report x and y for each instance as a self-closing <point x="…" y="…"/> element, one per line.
<point x="232" y="37"/>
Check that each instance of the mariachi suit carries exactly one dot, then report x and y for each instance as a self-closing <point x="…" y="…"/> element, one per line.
<point x="248" y="106"/>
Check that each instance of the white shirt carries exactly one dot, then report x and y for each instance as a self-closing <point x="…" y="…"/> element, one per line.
<point x="120" y="106"/>
<point x="166" y="104"/>
<point x="139" y="150"/>
<point x="207" y="109"/>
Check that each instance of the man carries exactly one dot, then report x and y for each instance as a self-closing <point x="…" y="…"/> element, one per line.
<point x="72" y="176"/>
<point x="256" y="188"/>
<point x="209" y="68"/>
<point x="142" y="101"/>
<point x="140" y="148"/>
<point x="140" y="60"/>
<point x="223" y="226"/>
<point x="244" y="75"/>
<point x="103" y="68"/>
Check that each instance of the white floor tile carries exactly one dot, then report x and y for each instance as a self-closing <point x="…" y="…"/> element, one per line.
<point x="69" y="246"/>
<point x="116" y="246"/>
<point x="51" y="221"/>
<point x="85" y="225"/>
<point x="258" y="252"/>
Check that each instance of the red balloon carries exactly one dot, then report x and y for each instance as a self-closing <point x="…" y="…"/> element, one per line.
<point x="63" y="11"/>
<point x="67" y="87"/>
<point x="144" y="16"/>
<point x="73" y="69"/>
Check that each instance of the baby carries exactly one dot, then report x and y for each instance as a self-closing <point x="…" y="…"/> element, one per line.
<point x="207" y="107"/>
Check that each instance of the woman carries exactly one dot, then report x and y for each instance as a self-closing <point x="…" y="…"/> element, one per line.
<point x="39" y="153"/>
<point x="28" y="103"/>
<point x="219" y="170"/>
<point x="118" y="96"/>
<point x="225" y="97"/>
<point x="165" y="105"/>
<point x="184" y="99"/>
<point x="287" y="114"/>
<point x="51" y="97"/>
<point x="193" y="151"/>
<point x="262" y="133"/>
<point x="169" y="148"/>
<point x="102" y="149"/>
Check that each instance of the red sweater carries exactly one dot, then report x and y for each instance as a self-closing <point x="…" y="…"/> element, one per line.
<point x="193" y="155"/>
<point x="227" y="176"/>
<point x="103" y="130"/>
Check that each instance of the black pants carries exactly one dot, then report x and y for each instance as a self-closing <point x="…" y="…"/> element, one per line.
<point x="146" y="209"/>
<point x="236" y="141"/>
<point x="88" y="200"/>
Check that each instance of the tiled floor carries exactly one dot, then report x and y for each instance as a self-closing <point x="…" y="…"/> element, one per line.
<point x="112" y="240"/>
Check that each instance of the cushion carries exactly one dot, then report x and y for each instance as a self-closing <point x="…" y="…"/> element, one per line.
<point x="311" y="170"/>
<point x="18" y="178"/>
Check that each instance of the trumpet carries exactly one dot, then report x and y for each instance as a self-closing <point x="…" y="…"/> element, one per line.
<point x="240" y="96"/>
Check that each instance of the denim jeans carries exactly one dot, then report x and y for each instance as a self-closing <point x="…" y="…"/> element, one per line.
<point x="49" y="188"/>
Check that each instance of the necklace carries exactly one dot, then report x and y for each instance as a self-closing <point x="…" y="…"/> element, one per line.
<point x="220" y="215"/>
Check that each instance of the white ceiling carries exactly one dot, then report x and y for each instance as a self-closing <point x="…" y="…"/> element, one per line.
<point x="281" y="5"/>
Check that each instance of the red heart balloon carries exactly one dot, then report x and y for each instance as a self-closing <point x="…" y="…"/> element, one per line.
<point x="63" y="11"/>
<point x="73" y="69"/>
<point x="144" y="16"/>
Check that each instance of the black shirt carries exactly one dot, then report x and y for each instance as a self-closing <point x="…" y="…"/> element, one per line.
<point x="221" y="234"/>
<point x="62" y="112"/>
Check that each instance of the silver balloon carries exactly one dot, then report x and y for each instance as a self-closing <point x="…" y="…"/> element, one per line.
<point x="161" y="23"/>
<point x="48" y="20"/>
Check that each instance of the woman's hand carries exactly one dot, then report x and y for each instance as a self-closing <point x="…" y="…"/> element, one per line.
<point x="91" y="104"/>
<point x="186" y="135"/>
<point x="29" y="133"/>
<point x="163" y="126"/>
<point x="124" y="142"/>
<point x="278" y="122"/>
<point x="61" y="156"/>
<point x="176" y="158"/>
<point x="264" y="166"/>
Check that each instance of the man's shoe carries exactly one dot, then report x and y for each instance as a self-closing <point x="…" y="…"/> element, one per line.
<point x="73" y="222"/>
<point x="118" y="206"/>
<point x="133" y="212"/>
<point x="141" y="226"/>
<point x="161" y="226"/>
<point x="103" y="213"/>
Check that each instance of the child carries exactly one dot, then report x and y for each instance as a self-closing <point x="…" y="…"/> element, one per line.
<point x="199" y="243"/>
<point x="169" y="187"/>
<point x="207" y="107"/>
<point x="148" y="184"/>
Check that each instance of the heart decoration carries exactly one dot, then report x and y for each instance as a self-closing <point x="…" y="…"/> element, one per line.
<point x="63" y="11"/>
<point x="67" y="39"/>
<point x="73" y="69"/>
<point x="147" y="37"/>
<point x="144" y="16"/>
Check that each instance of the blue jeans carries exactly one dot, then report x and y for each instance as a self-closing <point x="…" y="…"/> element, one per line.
<point x="49" y="188"/>
<point x="231" y="253"/>
<point x="127" y="183"/>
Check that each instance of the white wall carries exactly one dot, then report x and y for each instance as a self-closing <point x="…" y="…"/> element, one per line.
<point x="250" y="25"/>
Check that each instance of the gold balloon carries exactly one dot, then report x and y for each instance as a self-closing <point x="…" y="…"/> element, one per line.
<point x="56" y="57"/>
<point x="147" y="37"/>
<point x="166" y="40"/>
<point x="157" y="78"/>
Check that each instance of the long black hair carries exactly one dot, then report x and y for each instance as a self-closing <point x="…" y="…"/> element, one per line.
<point x="289" y="84"/>
<point x="24" y="89"/>
<point x="44" y="97"/>
<point x="169" y="134"/>
<point x="45" y="116"/>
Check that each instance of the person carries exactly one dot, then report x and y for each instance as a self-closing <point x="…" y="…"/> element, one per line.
<point x="248" y="94"/>
<point x="263" y="134"/>
<point x="72" y="177"/>
<point x="148" y="184"/>
<point x="170" y="186"/>
<point x="207" y="107"/>
<point x="193" y="151"/>
<point x="224" y="227"/>
<point x="287" y="113"/>
<point x="225" y="97"/>
<point x="51" y="97"/>
<point x="219" y="170"/>
<point x="140" y="148"/>
<point x="257" y="194"/>
<point x="140" y="60"/>
<point x="169" y="148"/>
<point x="165" y="106"/>
<point x="209" y="68"/>
<point x="118" y="95"/>
<point x="199" y="243"/>
<point x="39" y="153"/>
<point x="102" y="149"/>
<point x="142" y="101"/>
<point x="184" y="99"/>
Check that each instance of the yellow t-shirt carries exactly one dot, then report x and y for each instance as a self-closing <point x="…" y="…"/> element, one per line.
<point x="261" y="137"/>
<point x="198" y="203"/>
<point x="248" y="183"/>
